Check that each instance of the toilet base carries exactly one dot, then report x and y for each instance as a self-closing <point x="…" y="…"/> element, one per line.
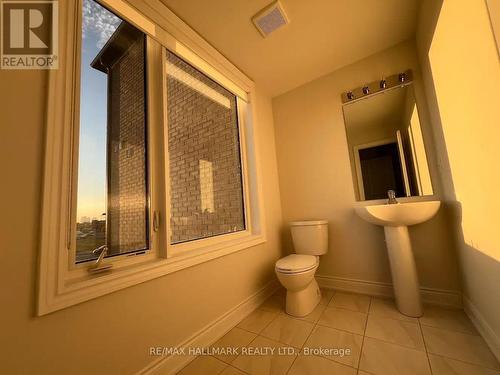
<point x="304" y="301"/>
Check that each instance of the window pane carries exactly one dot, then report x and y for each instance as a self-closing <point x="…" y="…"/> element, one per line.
<point x="112" y="176"/>
<point x="204" y="153"/>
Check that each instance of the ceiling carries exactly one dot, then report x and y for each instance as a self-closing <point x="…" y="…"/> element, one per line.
<point x="323" y="35"/>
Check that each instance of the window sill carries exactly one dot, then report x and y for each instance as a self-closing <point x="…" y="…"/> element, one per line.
<point x="72" y="291"/>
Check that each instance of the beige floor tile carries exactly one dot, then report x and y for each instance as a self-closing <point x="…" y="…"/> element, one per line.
<point x="346" y="320"/>
<point x="387" y="308"/>
<point x="308" y="365"/>
<point x="257" y="320"/>
<point x="288" y="331"/>
<point x="274" y="304"/>
<point x="313" y="317"/>
<point x="461" y="346"/>
<point x="330" y="338"/>
<point x="396" y="331"/>
<point x="326" y="296"/>
<point x="235" y="338"/>
<point x="232" y="371"/>
<point x="446" y="318"/>
<point x="381" y="358"/>
<point x="350" y="301"/>
<point x="203" y="365"/>
<point x="272" y="364"/>
<point x="448" y="366"/>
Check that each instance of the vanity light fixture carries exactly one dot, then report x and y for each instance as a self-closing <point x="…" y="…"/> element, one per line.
<point x="384" y="84"/>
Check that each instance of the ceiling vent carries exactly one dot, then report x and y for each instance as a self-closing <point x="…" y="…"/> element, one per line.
<point x="270" y="18"/>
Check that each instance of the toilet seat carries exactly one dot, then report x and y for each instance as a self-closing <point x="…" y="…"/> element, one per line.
<point x="296" y="263"/>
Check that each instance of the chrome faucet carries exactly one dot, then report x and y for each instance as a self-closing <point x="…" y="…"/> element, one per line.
<point x="392" y="197"/>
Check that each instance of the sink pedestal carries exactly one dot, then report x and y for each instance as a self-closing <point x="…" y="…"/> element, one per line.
<point x="395" y="219"/>
<point x="403" y="271"/>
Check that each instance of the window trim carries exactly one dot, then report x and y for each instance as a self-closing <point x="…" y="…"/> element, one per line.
<point x="60" y="285"/>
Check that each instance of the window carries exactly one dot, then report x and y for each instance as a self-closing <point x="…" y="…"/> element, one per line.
<point x="112" y="174"/>
<point x="149" y="151"/>
<point x="206" y="193"/>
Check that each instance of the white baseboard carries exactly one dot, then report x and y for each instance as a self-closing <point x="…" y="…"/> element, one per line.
<point x="373" y="288"/>
<point x="489" y="335"/>
<point x="210" y="333"/>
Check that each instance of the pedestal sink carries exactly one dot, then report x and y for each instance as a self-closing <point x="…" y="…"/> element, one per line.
<point x="395" y="219"/>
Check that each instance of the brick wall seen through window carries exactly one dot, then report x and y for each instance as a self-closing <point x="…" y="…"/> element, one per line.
<point x="204" y="155"/>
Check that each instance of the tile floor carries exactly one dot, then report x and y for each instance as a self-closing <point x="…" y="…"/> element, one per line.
<point x="380" y="339"/>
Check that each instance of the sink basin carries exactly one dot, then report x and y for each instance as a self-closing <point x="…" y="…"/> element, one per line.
<point x="401" y="214"/>
<point x="395" y="219"/>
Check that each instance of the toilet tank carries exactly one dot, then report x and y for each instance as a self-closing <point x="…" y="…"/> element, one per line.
<point x="310" y="237"/>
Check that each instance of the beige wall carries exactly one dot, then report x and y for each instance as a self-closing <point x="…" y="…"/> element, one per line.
<point x="315" y="176"/>
<point x="494" y="13"/>
<point x="110" y="334"/>
<point x="462" y="80"/>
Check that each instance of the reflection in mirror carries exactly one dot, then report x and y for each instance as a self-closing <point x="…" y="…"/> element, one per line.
<point x="386" y="147"/>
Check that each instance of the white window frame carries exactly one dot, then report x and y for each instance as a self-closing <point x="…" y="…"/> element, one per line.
<point x="62" y="283"/>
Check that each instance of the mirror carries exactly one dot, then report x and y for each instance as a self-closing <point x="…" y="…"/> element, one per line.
<point x="386" y="147"/>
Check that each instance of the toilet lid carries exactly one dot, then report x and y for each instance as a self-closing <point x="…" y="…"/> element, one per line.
<point x="296" y="263"/>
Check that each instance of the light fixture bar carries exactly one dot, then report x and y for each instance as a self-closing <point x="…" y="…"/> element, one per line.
<point x="375" y="87"/>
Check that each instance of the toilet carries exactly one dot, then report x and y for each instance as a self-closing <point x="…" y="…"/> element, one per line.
<point x="296" y="272"/>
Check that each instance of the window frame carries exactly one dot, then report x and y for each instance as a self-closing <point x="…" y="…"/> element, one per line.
<point x="62" y="282"/>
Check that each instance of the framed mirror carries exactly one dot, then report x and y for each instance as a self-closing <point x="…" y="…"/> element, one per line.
<point x="386" y="146"/>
